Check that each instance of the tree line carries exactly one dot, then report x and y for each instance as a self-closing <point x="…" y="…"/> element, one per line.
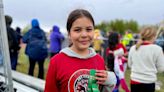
<point x="118" y="25"/>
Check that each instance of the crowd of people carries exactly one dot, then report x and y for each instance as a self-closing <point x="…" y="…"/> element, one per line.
<point x="90" y="61"/>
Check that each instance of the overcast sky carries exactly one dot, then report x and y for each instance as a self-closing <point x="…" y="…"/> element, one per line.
<point x="55" y="12"/>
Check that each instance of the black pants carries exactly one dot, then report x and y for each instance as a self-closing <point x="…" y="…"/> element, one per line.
<point x="143" y="87"/>
<point x="14" y="59"/>
<point x="32" y="66"/>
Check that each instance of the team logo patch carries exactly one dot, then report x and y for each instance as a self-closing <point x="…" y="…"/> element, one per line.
<point x="78" y="82"/>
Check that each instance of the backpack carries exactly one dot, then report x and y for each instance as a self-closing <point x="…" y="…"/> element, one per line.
<point x="37" y="47"/>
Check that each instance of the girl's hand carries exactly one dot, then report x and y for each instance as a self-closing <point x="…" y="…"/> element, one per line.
<point x="101" y="76"/>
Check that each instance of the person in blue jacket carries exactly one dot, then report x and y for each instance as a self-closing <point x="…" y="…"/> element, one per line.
<point x="56" y="39"/>
<point x="36" y="48"/>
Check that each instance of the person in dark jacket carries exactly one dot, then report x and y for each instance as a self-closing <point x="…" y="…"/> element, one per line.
<point x="12" y="41"/>
<point x="19" y="36"/>
<point x="19" y="39"/>
<point x="56" y="39"/>
<point x="36" y="48"/>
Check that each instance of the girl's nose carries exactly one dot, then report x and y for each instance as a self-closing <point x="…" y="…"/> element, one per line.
<point x="84" y="33"/>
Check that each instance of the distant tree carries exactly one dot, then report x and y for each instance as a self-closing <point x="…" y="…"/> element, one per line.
<point x="118" y="25"/>
<point x="25" y="29"/>
<point x="103" y="26"/>
<point x="132" y="25"/>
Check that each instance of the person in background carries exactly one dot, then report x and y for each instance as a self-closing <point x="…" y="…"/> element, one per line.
<point x="127" y="39"/>
<point x="160" y="40"/>
<point x="12" y="41"/>
<point x="97" y="42"/>
<point x="145" y="60"/>
<point x="19" y="35"/>
<point x="116" y="60"/>
<point x="36" y="48"/>
<point x="19" y="39"/>
<point x="56" y="39"/>
<point x="69" y="70"/>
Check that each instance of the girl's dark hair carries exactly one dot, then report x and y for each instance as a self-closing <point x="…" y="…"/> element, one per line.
<point x="78" y="13"/>
<point x="113" y="40"/>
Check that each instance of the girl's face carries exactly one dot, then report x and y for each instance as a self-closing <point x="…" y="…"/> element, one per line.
<point x="81" y="33"/>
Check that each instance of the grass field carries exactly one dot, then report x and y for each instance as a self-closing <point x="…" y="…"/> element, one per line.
<point x="24" y="64"/>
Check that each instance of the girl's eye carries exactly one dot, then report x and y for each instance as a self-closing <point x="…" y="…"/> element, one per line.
<point x="89" y="29"/>
<point x="77" y="30"/>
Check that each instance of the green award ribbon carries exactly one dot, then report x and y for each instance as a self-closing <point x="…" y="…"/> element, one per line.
<point x="92" y="85"/>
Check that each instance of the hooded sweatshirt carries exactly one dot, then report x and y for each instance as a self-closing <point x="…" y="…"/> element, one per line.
<point x="55" y="40"/>
<point x="69" y="72"/>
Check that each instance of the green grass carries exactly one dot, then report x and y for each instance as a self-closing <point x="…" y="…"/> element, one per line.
<point x="24" y="64"/>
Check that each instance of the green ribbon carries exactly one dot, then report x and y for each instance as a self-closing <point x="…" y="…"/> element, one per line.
<point x="92" y="85"/>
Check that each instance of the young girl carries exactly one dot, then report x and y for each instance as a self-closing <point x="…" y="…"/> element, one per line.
<point x="145" y="60"/>
<point x="116" y="60"/>
<point x="69" y="70"/>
